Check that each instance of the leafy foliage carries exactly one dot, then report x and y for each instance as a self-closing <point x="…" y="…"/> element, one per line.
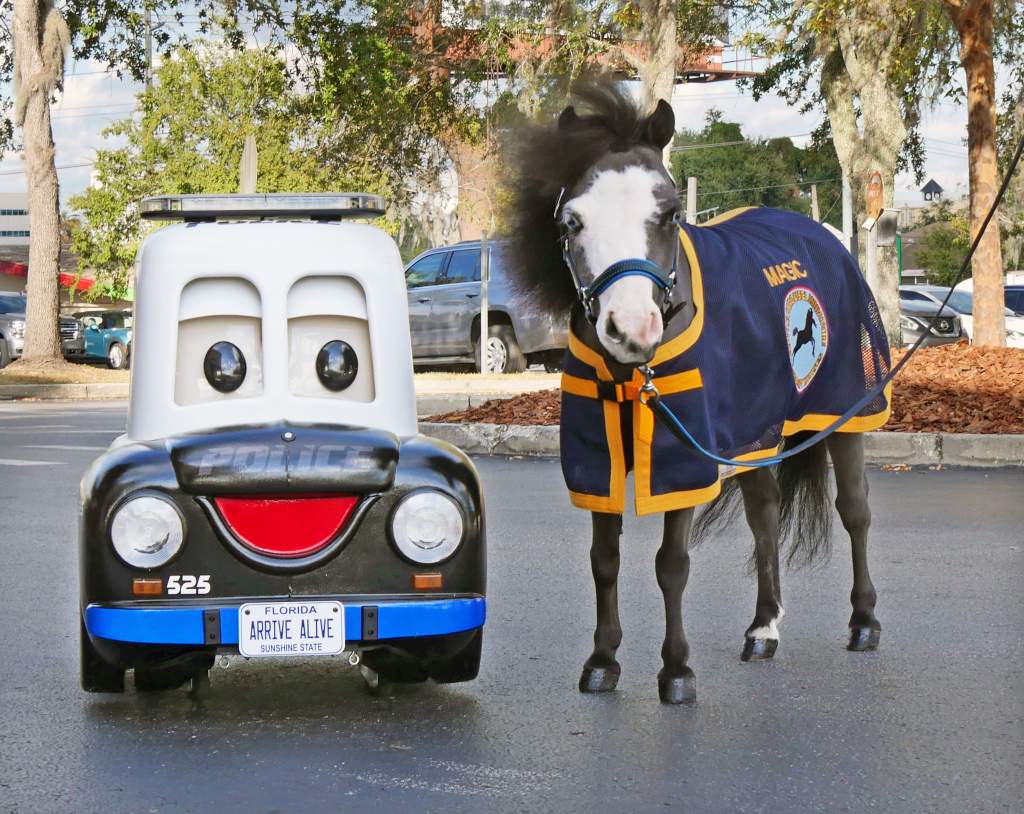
<point x="188" y="138"/>
<point x="734" y="171"/>
<point x="942" y="250"/>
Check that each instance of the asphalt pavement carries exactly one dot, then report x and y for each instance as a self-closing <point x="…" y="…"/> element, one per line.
<point x="934" y="721"/>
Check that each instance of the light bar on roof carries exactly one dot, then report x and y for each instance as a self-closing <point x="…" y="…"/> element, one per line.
<point x="315" y="205"/>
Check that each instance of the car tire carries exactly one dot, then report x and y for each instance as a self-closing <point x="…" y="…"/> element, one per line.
<point x="464" y="666"/>
<point x="97" y="675"/>
<point x="5" y="360"/>
<point x="117" y="356"/>
<point x="503" y="344"/>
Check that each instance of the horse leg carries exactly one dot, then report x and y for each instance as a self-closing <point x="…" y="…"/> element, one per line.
<point x="601" y="670"/>
<point x="847" y="451"/>
<point x="761" y="504"/>
<point x="676" y="681"/>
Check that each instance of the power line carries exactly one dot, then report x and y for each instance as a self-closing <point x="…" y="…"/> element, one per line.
<point x="772" y="186"/>
<point x="61" y="167"/>
<point x="687" y="147"/>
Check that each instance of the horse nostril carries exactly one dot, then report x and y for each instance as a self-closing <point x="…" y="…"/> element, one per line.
<point x="612" y="329"/>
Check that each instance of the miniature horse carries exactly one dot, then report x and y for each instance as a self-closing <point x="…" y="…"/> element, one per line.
<point x="592" y="191"/>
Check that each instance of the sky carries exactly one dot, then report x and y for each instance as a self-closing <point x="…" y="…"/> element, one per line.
<point x="94" y="98"/>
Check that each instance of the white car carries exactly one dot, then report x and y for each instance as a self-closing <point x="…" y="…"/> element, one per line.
<point x="962" y="301"/>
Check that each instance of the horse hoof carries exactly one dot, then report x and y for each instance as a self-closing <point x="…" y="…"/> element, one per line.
<point x="677" y="689"/>
<point x="863" y="638"/>
<point x="600" y="679"/>
<point x="758" y="649"/>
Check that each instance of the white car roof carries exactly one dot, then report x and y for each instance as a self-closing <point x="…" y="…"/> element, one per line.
<point x="346" y="268"/>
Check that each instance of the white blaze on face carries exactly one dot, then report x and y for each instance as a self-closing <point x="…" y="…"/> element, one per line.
<point x="615" y="211"/>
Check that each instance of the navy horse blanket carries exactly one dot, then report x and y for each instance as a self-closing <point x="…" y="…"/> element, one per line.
<point x="785" y="337"/>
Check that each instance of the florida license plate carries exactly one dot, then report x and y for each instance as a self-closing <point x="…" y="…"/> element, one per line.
<point x="291" y="629"/>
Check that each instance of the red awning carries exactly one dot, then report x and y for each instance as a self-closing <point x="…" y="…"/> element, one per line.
<point x="66" y="280"/>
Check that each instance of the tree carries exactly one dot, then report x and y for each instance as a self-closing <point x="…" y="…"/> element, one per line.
<point x="32" y="53"/>
<point x="733" y="171"/>
<point x="942" y="250"/>
<point x="40" y="38"/>
<point x="849" y="56"/>
<point x="188" y="137"/>
<point x="877" y="65"/>
<point x="973" y="20"/>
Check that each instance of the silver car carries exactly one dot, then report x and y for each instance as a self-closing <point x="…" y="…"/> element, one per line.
<point x="444" y="314"/>
<point x="12" y="331"/>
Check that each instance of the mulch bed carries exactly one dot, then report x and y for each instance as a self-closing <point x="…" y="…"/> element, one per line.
<point x="952" y="388"/>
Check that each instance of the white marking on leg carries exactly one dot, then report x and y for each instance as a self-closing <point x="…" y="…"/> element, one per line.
<point x="769" y="631"/>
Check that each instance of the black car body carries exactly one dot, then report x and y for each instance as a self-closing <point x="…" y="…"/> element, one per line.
<point x="274" y="498"/>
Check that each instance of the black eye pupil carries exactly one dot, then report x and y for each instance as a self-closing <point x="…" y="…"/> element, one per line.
<point x="224" y="367"/>
<point x="337" y="365"/>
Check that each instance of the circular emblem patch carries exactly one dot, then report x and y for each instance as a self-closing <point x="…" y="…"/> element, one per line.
<point x="807" y="331"/>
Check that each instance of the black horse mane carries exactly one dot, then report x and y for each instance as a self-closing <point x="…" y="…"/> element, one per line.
<point x="545" y="159"/>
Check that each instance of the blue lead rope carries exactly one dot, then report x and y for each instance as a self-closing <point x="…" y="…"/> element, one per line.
<point x="674" y="425"/>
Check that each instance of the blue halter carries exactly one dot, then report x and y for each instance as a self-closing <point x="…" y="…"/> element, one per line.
<point x="630" y="267"/>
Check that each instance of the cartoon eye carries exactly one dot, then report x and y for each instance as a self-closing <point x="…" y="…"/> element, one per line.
<point x="337" y="365"/>
<point x="224" y="367"/>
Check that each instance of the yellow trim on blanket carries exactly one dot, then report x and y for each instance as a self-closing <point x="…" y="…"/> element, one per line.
<point x="816" y="422"/>
<point x="685" y="340"/>
<point x="732" y="213"/>
<point x="575" y="386"/>
<point x="588" y="356"/>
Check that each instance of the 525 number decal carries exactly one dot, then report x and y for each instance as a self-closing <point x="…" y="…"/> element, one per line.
<point x="188" y="585"/>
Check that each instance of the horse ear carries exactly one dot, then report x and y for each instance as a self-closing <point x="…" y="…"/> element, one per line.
<point x="568" y="119"/>
<point x="660" y="125"/>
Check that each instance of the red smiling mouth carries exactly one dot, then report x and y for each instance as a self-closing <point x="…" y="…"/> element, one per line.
<point x="286" y="526"/>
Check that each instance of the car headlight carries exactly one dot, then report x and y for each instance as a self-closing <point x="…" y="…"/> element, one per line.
<point x="1016" y="336"/>
<point x="427" y="527"/>
<point x="147" y="531"/>
<point x="18" y="329"/>
<point x="909" y="324"/>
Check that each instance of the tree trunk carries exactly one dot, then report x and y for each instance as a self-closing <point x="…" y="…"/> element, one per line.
<point x="973" y="21"/>
<point x="476" y="169"/>
<point x="863" y="147"/>
<point x="658" y="73"/>
<point x="35" y="73"/>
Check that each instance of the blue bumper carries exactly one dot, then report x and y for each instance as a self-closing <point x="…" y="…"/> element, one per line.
<point x="396" y="619"/>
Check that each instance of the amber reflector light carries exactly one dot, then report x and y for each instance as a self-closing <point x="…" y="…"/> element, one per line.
<point x="147" y="587"/>
<point x="426" y="582"/>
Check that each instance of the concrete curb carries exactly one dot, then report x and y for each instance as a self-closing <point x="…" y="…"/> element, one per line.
<point x="426" y="404"/>
<point x="64" y="392"/>
<point x="911" y="448"/>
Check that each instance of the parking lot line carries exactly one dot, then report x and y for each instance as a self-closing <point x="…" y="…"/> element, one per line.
<point x="62" y="446"/>
<point x="36" y="427"/>
<point x="16" y="462"/>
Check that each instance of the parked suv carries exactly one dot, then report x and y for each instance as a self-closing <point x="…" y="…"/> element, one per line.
<point x="108" y="335"/>
<point x="12" y="331"/>
<point x="444" y="314"/>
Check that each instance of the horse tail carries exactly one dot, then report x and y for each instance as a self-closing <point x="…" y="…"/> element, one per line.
<point x="718" y="513"/>
<point x="805" y="512"/>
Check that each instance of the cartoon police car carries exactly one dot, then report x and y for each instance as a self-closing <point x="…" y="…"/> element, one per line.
<point x="271" y="496"/>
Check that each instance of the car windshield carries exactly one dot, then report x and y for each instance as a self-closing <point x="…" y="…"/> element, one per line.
<point x="963" y="302"/>
<point x="12" y="304"/>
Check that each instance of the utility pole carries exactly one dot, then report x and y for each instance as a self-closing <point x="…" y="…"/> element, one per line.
<point x="815" y="213"/>
<point x="691" y="200"/>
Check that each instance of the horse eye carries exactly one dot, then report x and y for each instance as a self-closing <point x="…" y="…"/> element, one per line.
<point x="672" y="216"/>
<point x="571" y="224"/>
